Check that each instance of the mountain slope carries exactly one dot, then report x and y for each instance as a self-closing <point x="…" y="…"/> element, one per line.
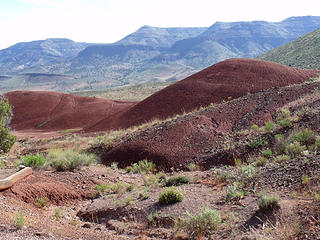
<point x="159" y="37"/>
<point x="239" y="39"/>
<point x="33" y="55"/>
<point x="303" y="52"/>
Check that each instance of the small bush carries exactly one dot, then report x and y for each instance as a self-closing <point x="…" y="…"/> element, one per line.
<point x="256" y="143"/>
<point x="170" y="196"/>
<point x="268" y="203"/>
<point x="234" y="192"/>
<point x="142" y="167"/>
<point x="6" y="139"/>
<point x="203" y="223"/>
<point x="69" y="160"/>
<point x="269" y="126"/>
<point x="19" y="220"/>
<point x="153" y="218"/>
<point x="267" y="153"/>
<point x="114" y="166"/>
<point x="34" y="161"/>
<point x="255" y="127"/>
<point x="238" y="162"/>
<point x="176" y="181"/>
<point x="305" y="137"/>
<point x="193" y="167"/>
<point x="280" y="145"/>
<point x="247" y="173"/>
<point x="282" y="158"/>
<point x="41" y="202"/>
<point x="261" y="162"/>
<point x="295" y="149"/>
<point x="103" y="188"/>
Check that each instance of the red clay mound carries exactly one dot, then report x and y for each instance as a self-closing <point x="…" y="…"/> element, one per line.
<point x="51" y="111"/>
<point x="231" y="78"/>
<point x="200" y="137"/>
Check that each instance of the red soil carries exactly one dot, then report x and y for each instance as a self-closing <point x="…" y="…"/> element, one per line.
<point x="231" y="78"/>
<point x="51" y="111"/>
<point x="196" y="137"/>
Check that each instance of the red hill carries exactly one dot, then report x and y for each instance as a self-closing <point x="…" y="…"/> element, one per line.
<point x="230" y="78"/>
<point x="52" y="111"/>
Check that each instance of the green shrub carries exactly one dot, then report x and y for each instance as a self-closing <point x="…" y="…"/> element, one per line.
<point x="256" y="143"/>
<point x="169" y="196"/>
<point x="34" y="161"/>
<point x="267" y="153"/>
<point x="261" y="162"/>
<point x="177" y="180"/>
<point x="114" y="166"/>
<point x="121" y="187"/>
<point x="102" y="188"/>
<point x="269" y="126"/>
<point x="41" y="202"/>
<point x="193" y="167"/>
<point x="234" y="192"/>
<point x="153" y="218"/>
<point x="280" y="144"/>
<point x="305" y="137"/>
<point x="295" y="149"/>
<point x="284" y="118"/>
<point x="142" y="167"/>
<point x="305" y="179"/>
<point x="203" y="223"/>
<point x="69" y="160"/>
<point x="6" y="139"/>
<point x="238" y="162"/>
<point x="282" y="158"/>
<point x="255" y="127"/>
<point x="247" y="173"/>
<point x="268" y="202"/>
<point x="19" y="220"/>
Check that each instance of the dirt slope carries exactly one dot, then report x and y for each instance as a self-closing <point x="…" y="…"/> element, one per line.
<point x="233" y="78"/>
<point x="230" y="78"/>
<point x="51" y="111"/>
<point x="196" y="137"/>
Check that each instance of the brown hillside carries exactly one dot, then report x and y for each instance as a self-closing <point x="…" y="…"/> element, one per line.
<point x="198" y="137"/>
<point x="52" y="111"/>
<point x="231" y="78"/>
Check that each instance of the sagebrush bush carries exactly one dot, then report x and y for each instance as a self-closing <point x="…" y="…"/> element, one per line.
<point x="19" y="220"/>
<point x="255" y="127"/>
<point x="256" y="143"/>
<point x="269" y="126"/>
<point x="69" y="160"/>
<point x="267" y="153"/>
<point x="177" y="180"/>
<point x="169" y="196"/>
<point x="280" y="144"/>
<point x="268" y="203"/>
<point x="305" y="137"/>
<point x="6" y="139"/>
<point x="203" y="223"/>
<point x="234" y="192"/>
<point x="282" y="158"/>
<point x="34" y="161"/>
<point x="261" y="162"/>
<point x="142" y="167"/>
<point x="295" y="149"/>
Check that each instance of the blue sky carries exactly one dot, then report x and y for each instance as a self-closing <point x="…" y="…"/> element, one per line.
<point x="107" y="21"/>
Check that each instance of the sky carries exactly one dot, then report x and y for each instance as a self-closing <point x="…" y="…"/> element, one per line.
<point x="106" y="21"/>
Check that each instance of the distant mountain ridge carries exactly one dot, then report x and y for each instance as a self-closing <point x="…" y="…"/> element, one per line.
<point x="149" y="54"/>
